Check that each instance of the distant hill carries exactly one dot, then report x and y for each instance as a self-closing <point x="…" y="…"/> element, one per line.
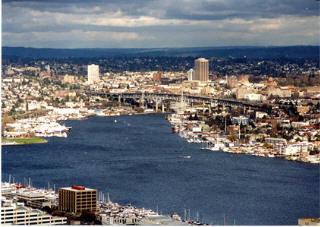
<point x="207" y="52"/>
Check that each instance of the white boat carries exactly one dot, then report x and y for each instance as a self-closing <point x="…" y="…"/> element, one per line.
<point x="218" y="147"/>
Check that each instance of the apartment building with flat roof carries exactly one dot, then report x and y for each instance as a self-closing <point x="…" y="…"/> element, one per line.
<point x="76" y="199"/>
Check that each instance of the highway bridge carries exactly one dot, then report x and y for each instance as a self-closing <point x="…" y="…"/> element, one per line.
<point x="145" y="97"/>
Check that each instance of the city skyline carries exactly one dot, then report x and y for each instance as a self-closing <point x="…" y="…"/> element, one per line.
<point x="152" y="24"/>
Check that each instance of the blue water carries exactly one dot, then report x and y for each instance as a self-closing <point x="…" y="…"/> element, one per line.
<point x="139" y="161"/>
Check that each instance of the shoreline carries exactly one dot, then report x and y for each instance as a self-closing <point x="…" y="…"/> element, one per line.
<point x="22" y="141"/>
<point x="221" y="144"/>
<point x="40" y="140"/>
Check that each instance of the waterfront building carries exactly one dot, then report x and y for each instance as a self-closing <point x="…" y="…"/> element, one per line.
<point x="16" y="213"/>
<point x="276" y="141"/>
<point x="93" y="74"/>
<point x="309" y="221"/>
<point x="201" y="68"/>
<point x="118" y="220"/>
<point x="34" y="199"/>
<point x="76" y="199"/>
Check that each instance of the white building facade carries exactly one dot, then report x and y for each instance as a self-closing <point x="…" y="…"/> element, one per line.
<point x="93" y="74"/>
<point x="191" y="75"/>
<point x="13" y="213"/>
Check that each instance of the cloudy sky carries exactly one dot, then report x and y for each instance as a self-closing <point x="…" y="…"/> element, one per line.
<point x="159" y="23"/>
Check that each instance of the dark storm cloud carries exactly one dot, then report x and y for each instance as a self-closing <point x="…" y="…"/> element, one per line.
<point x="153" y="23"/>
<point x="180" y="9"/>
<point x="245" y="9"/>
<point x="79" y="6"/>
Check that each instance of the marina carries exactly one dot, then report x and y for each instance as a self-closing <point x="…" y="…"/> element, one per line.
<point x="194" y="132"/>
<point x="108" y="212"/>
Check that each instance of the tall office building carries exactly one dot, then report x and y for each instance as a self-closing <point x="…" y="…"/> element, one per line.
<point x="201" y="68"/>
<point x="93" y="74"/>
<point x="76" y="199"/>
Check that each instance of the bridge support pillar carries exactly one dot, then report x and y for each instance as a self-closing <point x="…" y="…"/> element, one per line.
<point x="142" y="100"/>
<point x="162" y="107"/>
<point x="157" y="106"/>
<point x="119" y="99"/>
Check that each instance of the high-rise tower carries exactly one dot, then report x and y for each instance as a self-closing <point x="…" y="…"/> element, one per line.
<point x="93" y="74"/>
<point x="191" y="75"/>
<point x="201" y="68"/>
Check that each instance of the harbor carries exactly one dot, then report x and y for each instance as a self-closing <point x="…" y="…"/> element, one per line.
<point x="45" y="201"/>
<point x="197" y="131"/>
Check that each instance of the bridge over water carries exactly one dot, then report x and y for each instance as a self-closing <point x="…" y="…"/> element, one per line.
<point x="160" y="98"/>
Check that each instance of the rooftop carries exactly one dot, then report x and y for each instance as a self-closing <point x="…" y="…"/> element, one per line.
<point x="76" y="188"/>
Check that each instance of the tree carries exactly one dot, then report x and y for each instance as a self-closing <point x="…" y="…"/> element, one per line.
<point x="46" y="81"/>
<point x="20" y="100"/>
<point x="232" y="137"/>
<point x="47" y="209"/>
<point x="268" y="145"/>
